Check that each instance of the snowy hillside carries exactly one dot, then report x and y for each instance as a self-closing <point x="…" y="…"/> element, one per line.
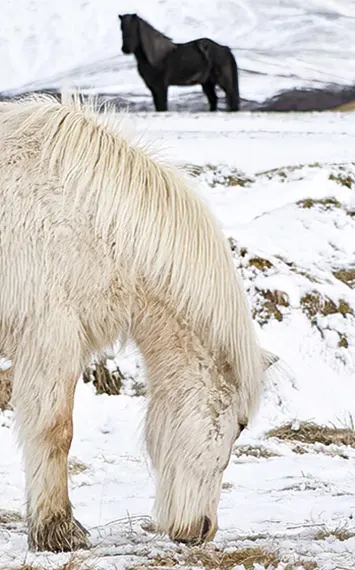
<point x="278" y="44"/>
<point x="283" y="190"/>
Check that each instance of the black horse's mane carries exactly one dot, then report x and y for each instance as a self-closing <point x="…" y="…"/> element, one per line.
<point x="153" y="30"/>
<point x="154" y="44"/>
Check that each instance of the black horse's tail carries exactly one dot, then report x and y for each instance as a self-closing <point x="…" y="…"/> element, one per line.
<point x="223" y="69"/>
<point x="234" y="73"/>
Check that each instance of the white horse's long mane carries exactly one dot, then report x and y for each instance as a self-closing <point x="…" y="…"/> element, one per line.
<point x="167" y="235"/>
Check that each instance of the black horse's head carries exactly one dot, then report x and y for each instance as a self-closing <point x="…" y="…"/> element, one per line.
<point x="130" y="32"/>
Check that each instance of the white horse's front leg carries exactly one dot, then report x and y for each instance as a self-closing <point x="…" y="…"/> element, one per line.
<point x="44" y="408"/>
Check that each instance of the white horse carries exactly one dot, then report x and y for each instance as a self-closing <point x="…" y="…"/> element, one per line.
<point x="99" y="241"/>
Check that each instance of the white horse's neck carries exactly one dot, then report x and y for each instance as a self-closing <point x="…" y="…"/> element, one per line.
<point x="192" y="421"/>
<point x="169" y="346"/>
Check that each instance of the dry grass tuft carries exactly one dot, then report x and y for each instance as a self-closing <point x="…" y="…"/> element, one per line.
<point x="105" y="381"/>
<point x="5" y="388"/>
<point x="325" y="203"/>
<point x="283" y="172"/>
<point x="77" y="563"/>
<point x="299" y="450"/>
<point x="193" y="169"/>
<point x="314" y="304"/>
<point x="340" y="533"/>
<point x="227" y="486"/>
<point x="74" y="563"/>
<point x="343" y="341"/>
<point x="9" y="517"/>
<point x="302" y="565"/>
<point x="347" y="276"/>
<point x="257" y="451"/>
<point x="139" y="388"/>
<point x="266" y="312"/>
<point x="237" y="180"/>
<point x="305" y="274"/>
<point x="239" y="251"/>
<point x="343" y="179"/>
<point x="276" y="297"/>
<point x="219" y="175"/>
<point x="75" y="466"/>
<point x="344" y="308"/>
<point x="309" y="432"/>
<point x="260" y="263"/>
<point x="269" y="305"/>
<point x="213" y="559"/>
<point x="298" y="270"/>
<point x="329" y="451"/>
<point x="22" y="567"/>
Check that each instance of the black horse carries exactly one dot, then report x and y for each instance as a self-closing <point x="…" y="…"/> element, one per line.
<point x="162" y="63"/>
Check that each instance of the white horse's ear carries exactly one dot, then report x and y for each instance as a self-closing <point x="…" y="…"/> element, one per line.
<point x="269" y="359"/>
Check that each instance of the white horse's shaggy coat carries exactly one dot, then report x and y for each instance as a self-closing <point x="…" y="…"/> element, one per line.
<point x="97" y="241"/>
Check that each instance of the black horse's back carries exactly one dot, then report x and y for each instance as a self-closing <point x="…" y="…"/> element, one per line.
<point x="187" y="65"/>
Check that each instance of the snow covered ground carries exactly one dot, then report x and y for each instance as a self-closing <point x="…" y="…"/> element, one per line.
<point x="278" y="43"/>
<point x="283" y="189"/>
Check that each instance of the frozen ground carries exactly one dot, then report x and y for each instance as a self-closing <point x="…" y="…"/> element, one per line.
<point x="292" y="230"/>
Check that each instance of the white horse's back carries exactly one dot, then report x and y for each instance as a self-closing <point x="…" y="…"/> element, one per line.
<point x="164" y="230"/>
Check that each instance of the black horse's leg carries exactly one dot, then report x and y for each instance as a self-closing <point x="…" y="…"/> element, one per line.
<point x="160" y="97"/>
<point x="210" y="92"/>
